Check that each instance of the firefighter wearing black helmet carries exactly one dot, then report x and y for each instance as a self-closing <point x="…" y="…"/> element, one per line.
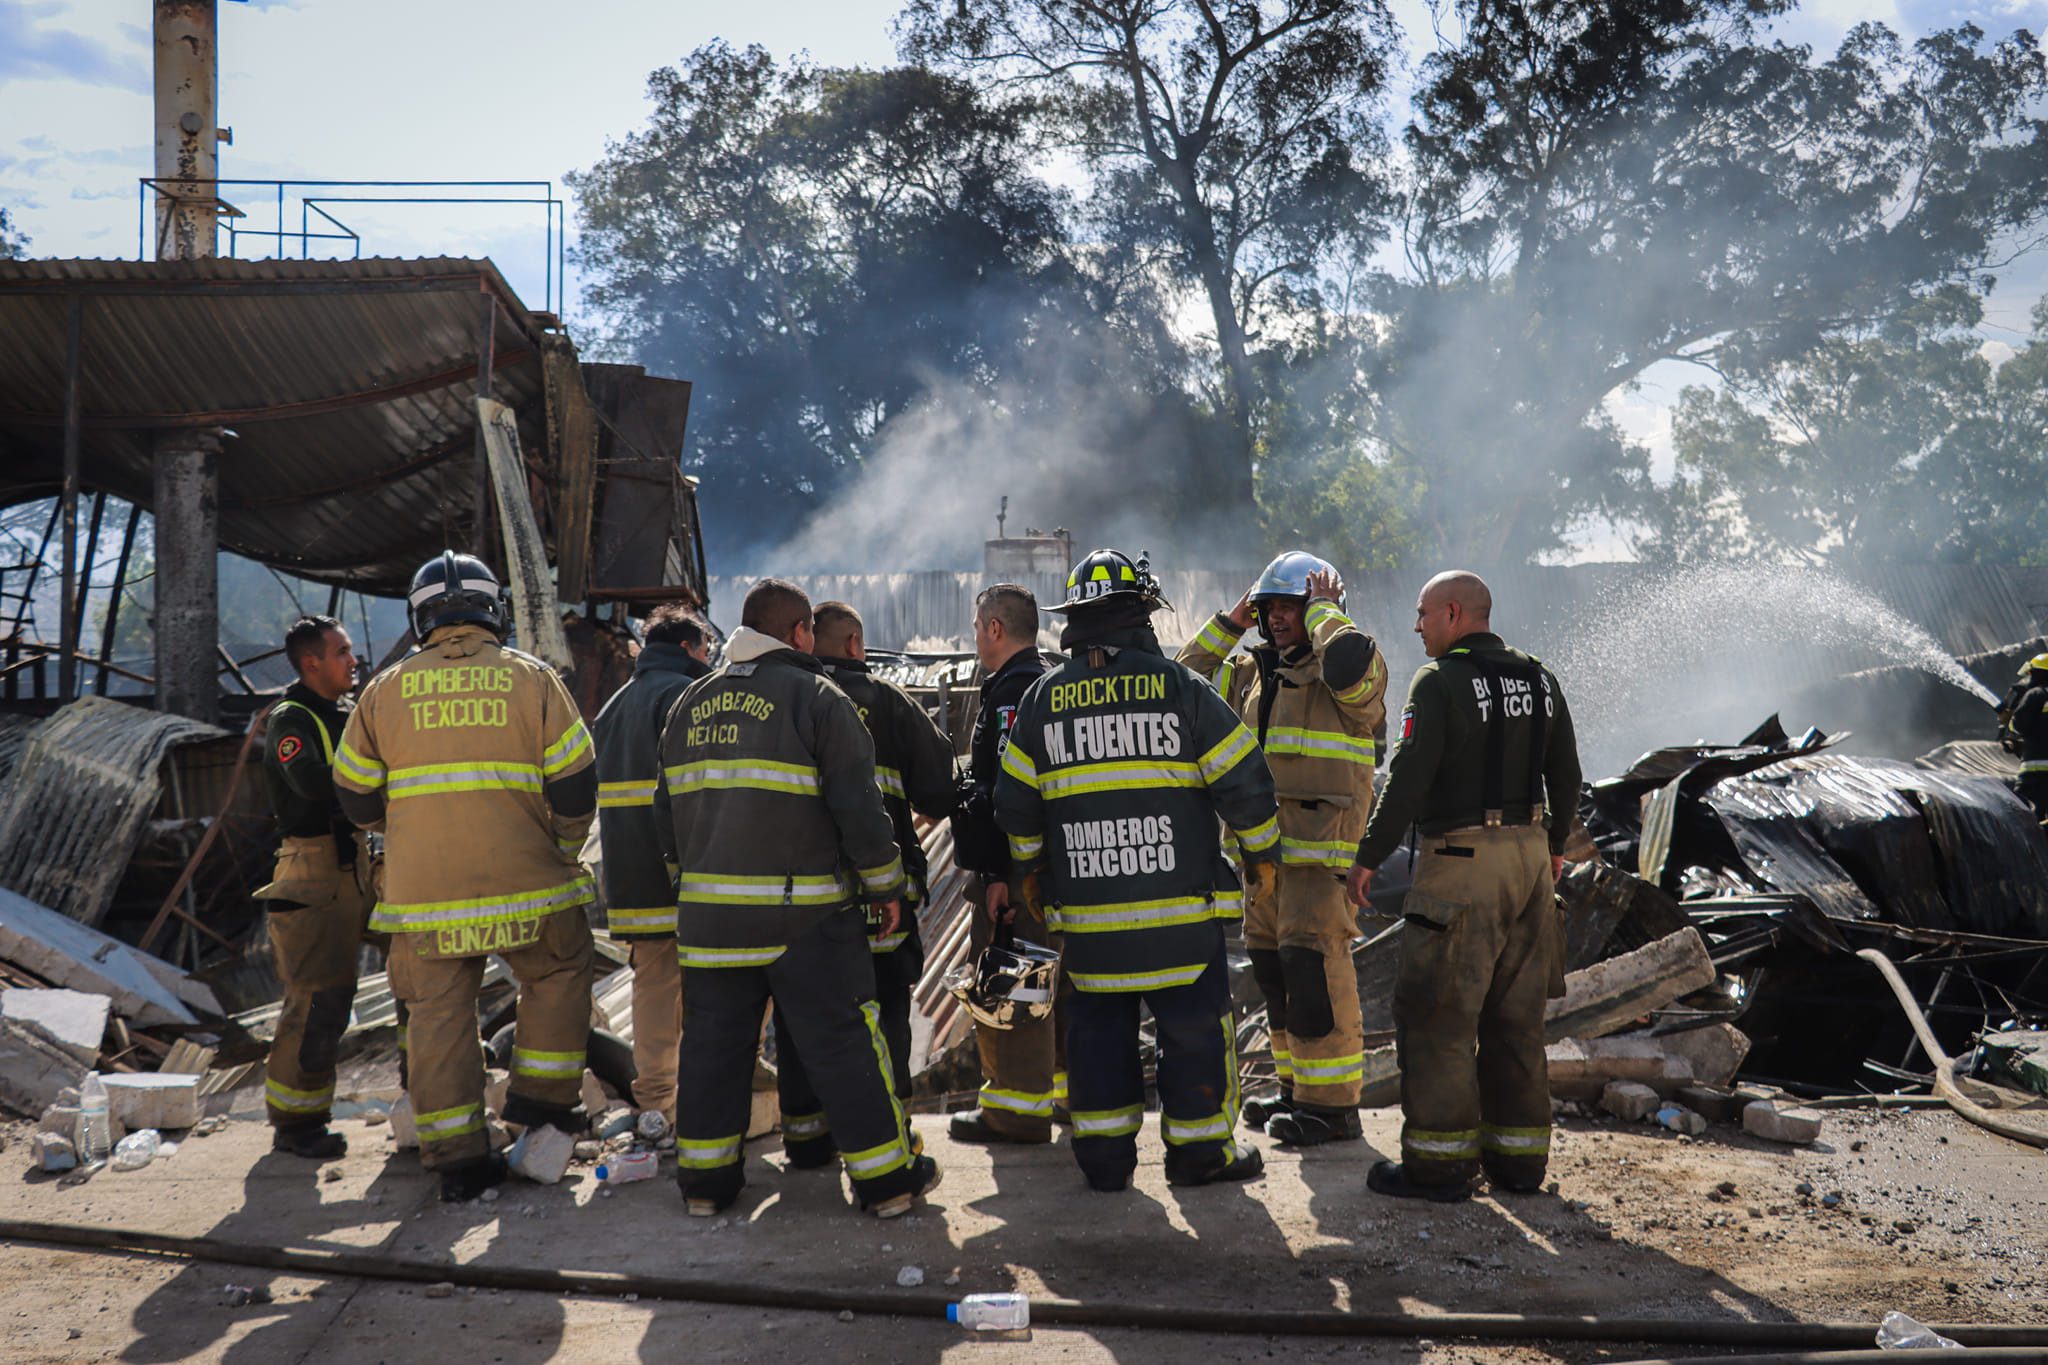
<point x="2026" y="732"/>
<point x="474" y="762"/>
<point x="1120" y="766"/>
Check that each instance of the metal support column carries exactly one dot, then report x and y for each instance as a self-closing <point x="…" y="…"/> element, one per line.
<point x="67" y="629"/>
<point x="486" y="362"/>
<point x="107" y="631"/>
<point x="187" y="622"/>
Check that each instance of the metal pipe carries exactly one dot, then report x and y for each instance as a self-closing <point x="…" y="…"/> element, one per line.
<point x="486" y="362"/>
<point x="99" y="685"/>
<point x="67" y="666"/>
<point x="187" y="72"/>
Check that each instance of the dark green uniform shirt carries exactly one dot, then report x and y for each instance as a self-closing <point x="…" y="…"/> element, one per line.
<point x="1454" y="720"/>
<point x="298" y="766"/>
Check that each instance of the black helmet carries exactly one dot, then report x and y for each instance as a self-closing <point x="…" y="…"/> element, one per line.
<point x="1112" y="576"/>
<point x="450" y="589"/>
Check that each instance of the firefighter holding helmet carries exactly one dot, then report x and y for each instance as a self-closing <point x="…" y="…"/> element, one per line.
<point x="476" y="765"/>
<point x="1314" y="696"/>
<point x="1121" y="771"/>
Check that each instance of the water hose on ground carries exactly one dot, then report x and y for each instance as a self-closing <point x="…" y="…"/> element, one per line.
<point x="323" y="1263"/>
<point x="1932" y="1354"/>
<point x="1944" y="1066"/>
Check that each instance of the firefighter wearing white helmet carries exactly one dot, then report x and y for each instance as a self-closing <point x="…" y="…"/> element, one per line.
<point x="1315" y="696"/>
<point x="476" y="765"/>
<point x="1121" y="772"/>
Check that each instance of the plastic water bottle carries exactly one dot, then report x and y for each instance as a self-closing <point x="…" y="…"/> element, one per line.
<point x="1900" y="1333"/>
<point x="95" y="1121"/>
<point x="137" y="1150"/>
<point x="991" y="1312"/>
<point x="627" y="1167"/>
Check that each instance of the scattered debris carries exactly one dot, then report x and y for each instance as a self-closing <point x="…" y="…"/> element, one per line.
<point x="1629" y="1100"/>
<point x="1679" y="1119"/>
<point x="154" y="1099"/>
<point x="404" y="1132"/>
<point x="442" y="1290"/>
<point x="1770" y="1120"/>
<point x="542" y="1154"/>
<point x="52" y="1152"/>
<point x="75" y="1021"/>
<point x="137" y="1150"/>
<point x="910" y="1277"/>
<point x="241" y="1295"/>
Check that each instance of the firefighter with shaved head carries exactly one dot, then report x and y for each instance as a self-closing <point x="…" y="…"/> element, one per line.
<point x="1485" y="770"/>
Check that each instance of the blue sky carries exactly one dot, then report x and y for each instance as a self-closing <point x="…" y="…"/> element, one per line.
<point x="514" y="89"/>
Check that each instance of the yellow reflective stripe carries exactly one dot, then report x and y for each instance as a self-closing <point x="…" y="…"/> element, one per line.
<point x="1088" y="779"/>
<point x="888" y="943"/>
<point x="1108" y="1122"/>
<point x="727" y="957"/>
<point x="1230" y="751"/>
<point x="1018" y="764"/>
<point x="1443" y="1146"/>
<point x="443" y="1124"/>
<point x="1154" y="914"/>
<point x="281" y="1096"/>
<point x="1228" y="904"/>
<point x="1329" y="1070"/>
<point x="753" y="774"/>
<point x="642" y="919"/>
<point x="1261" y="836"/>
<point x="1317" y="852"/>
<point x="1282" y="1062"/>
<point x="528" y="1062"/>
<point x="439" y="779"/>
<point x="421" y="916"/>
<point x="1233" y="1099"/>
<point x="804" y="1127"/>
<point x="359" y="771"/>
<point x="637" y="792"/>
<point x="1059" y="1088"/>
<point x="326" y="743"/>
<point x="870" y="1163"/>
<point x="1025" y="847"/>
<point x="574" y="743"/>
<point x="2034" y="765"/>
<point x="1286" y="740"/>
<point x="1357" y="692"/>
<point x="733" y="887"/>
<point x="699" y="1154"/>
<point x="1035" y="1105"/>
<point x="1179" y="1132"/>
<point x="883" y="877"/>
<point x="890" y="781"/>
<point x="1138" y="981"/>
<point x="1514" y="1141"/>
<point x="1217" y="638"/>
<point x="1319" y="611"/>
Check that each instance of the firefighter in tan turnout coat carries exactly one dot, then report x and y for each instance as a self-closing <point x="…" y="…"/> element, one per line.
<point x="473" y="760"/>
<point x="1315" y="696"/>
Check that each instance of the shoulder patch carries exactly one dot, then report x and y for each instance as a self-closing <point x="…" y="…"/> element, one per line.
<point x="1407" y="723"/>
<point x="289" y="748"/>
<point x="740" y="670"/>
<point x="1006" y="716"/>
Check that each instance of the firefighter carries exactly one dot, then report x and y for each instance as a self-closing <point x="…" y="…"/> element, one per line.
<point x="914" y="769"/>
<point x="639" y="887"/>
<point x="1315" y="696"/>
<point x="2026" y="727"/>
<point x="320" y="894"/>
<point x="1023" y="1084"/>
<point x="769" y="805"/>
<point x="1119" y="767"/>
<point x="1484" y="762"/>
<point x="473" y="760"/>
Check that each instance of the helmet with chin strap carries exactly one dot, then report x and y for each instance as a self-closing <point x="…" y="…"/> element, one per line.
<point x="454" y="589"/>
<point x="1111" y="576"/>
<point x="1288" y="575"/>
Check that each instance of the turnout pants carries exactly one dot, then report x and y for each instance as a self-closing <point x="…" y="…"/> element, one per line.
<point x="1197" y="1073"/>
<point x="1299" y="942"/>
<point x="657" y="1024"/>
<point x="1022" y="1067"/>
<point x="804" y="1133"/>
<point x="316" y="936"/>
<point x="2034" y="791"/>
<point x="1480" y="951"/>
<point x="823" y="989"/>
<point x="447" y="1064"/>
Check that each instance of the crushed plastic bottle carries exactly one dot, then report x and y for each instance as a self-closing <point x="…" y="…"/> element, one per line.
<point x="95" y="1121"/>
<point x="627" y="1167"/>
<point x="991" y="1312"/>
<point x="137" y="1150"/>
<point x="1900" y="1333"/>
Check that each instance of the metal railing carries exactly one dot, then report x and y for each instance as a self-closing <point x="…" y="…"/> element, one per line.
<point x="317" y="224"/>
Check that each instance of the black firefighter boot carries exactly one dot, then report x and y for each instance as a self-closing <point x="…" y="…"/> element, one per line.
<point x="1391" y="1179"/>
<point x="1257" y="1113"/>
<point x="1232" y="1163"/>
<point x="315" y="1142"/>
<point x="466" y="1180"/>
<point x="1311" y="1125"/>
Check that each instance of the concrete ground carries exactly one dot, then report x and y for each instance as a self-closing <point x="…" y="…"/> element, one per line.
<point x="1932" y="1216"/>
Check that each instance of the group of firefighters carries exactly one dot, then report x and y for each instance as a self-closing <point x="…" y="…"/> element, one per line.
<point x="1122" y="809"/>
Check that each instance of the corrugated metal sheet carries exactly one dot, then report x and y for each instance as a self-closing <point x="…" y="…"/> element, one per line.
<point x="75" y="805"/>
<point x="349" y="386"/>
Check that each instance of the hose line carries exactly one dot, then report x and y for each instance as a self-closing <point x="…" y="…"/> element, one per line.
<point x="1044" y="1312"/>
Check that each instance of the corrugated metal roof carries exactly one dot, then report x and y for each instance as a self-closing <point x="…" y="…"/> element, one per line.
<point x="349" y="386"/>
<point x="76" y="802"/>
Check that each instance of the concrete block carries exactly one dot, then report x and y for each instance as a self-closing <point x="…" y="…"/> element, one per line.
<point x="1715" y="1103"/>
<point x="542" y="1154"/>
<point x="64" y="952"/>
<point x="157" y="1099"/>
<point x="74" y="1020"/>
<point x="1629" y="1100"/>
<point x="61" y="1119"/>
<point x="32" y="1069"/>
<point x="52" y="1152"/>
<point x="1773" y="1122"/>
<point x="403" y="1130"/>
<point x="1581" y="1067"/>
<point x="1716" y="1050"/>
